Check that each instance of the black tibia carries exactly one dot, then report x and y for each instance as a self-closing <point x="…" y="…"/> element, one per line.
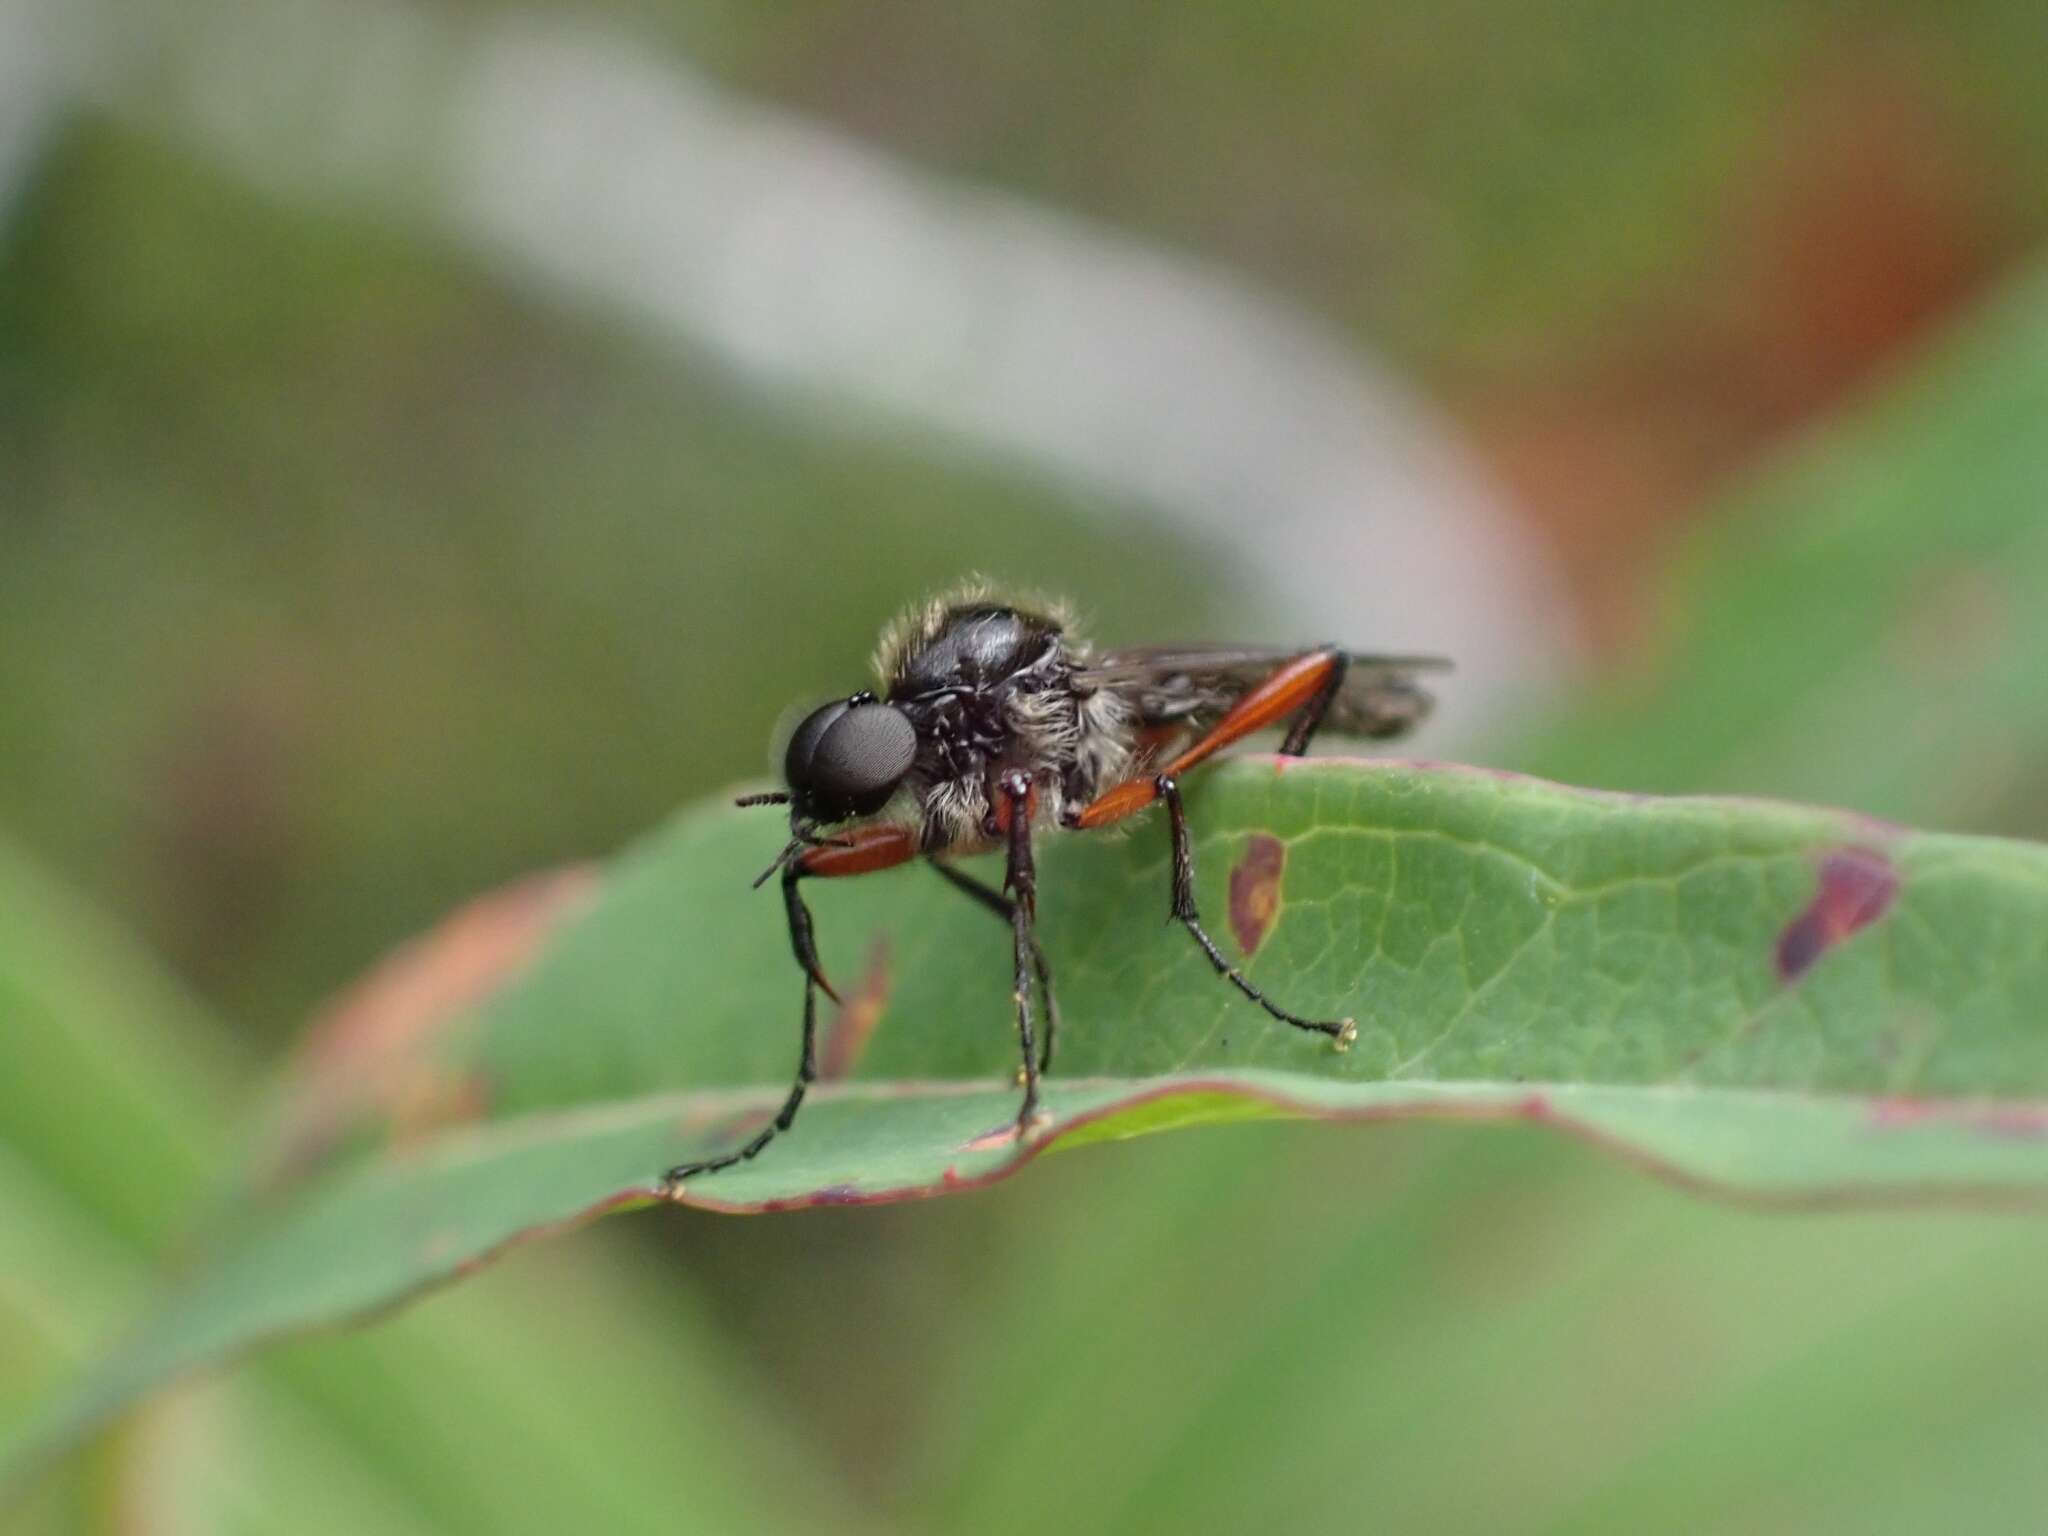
<point x="1001" y="905"/>
<point x="803" y="942"/>
<point x="800" y="939"/>
<point x="1020" y="884"/>
<point x="1303" y="731"/>
<point x="1341" y="1031"/>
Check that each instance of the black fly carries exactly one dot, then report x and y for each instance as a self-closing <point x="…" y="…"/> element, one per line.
<point x="994" y="720"/>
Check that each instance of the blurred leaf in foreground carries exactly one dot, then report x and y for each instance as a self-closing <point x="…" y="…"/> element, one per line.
<point x="113" y="1087"/>
<point x="1786" y="1001"/>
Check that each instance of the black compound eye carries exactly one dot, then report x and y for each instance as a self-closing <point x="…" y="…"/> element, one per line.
<point x="803" y="746"/>
<point x="859" y="757"/>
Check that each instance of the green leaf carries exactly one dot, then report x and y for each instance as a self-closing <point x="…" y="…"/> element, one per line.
<point x="1792" y="1002"/>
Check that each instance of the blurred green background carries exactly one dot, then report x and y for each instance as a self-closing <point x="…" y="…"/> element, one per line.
<point x="351" y="562"/>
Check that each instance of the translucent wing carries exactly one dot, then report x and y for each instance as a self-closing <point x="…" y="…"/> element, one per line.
<point x="1188" y="684"/>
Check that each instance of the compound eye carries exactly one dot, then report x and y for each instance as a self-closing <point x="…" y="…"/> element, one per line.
<point x="797" y="759"/>
<point x="859" y="757"/>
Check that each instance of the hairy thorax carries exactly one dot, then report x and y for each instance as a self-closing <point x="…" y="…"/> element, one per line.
<point x="991" y="688"/>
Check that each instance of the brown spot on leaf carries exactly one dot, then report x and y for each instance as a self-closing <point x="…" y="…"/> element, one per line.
<point x="1255" y="890"/>
<point x="847" y="1036"/>
<point x="1857" y="887"/>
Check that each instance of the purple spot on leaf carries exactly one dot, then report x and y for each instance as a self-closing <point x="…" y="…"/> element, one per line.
<point x="1857" y="887"/>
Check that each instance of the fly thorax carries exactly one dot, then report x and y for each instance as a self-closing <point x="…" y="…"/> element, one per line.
<point x="1044" y="728"/>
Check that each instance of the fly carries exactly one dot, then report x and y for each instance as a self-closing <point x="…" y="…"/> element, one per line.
<point x="996" y="720"/>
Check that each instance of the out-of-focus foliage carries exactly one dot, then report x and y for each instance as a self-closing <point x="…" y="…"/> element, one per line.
<point x="335" y="584"/>
<point x="1473" y="183"/>
<point x="1920" y="698"/>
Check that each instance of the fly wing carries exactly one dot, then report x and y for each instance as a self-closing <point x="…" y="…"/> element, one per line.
<point x="1171" y="685"/>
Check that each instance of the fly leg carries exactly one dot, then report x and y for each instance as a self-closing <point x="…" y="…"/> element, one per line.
<point x="1303" y="730"/>
<point x="805" y="945"/>
<point x="1001" y="905"/>
<point x="1308" y="683"/>
<point x="1341" y="1031"/>
<point x="1020" y="885"/>
<point x="862" y="851"/>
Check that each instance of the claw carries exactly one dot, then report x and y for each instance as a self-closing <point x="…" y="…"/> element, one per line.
<point x="1037" y="1120"/>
